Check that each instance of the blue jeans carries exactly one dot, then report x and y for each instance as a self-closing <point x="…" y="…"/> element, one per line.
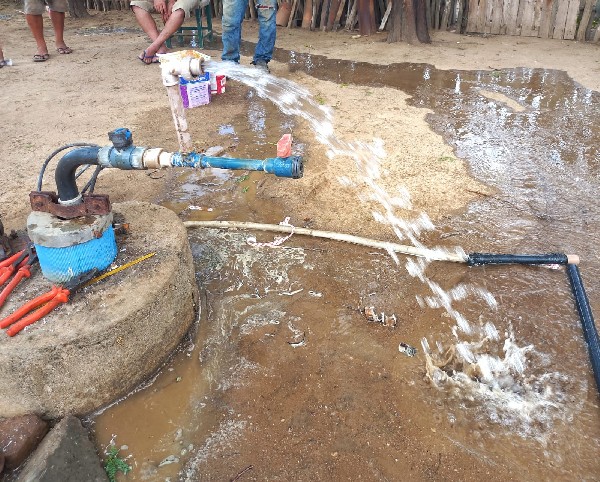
<point x="233" y="15"/>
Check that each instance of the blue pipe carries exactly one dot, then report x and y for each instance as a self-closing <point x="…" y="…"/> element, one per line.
<point x="124" y="155"/>
<point x="280" y="166"/>
<point x="590" y="332"/>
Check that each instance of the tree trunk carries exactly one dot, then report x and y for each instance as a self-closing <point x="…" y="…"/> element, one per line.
<point x="366" y="17"/>
<point x="408" y="22"/>
<point x="421" y="21"/>
<point x="77" y="9"/>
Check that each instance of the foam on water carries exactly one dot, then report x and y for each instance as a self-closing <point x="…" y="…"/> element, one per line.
<point x="480" y="366"/>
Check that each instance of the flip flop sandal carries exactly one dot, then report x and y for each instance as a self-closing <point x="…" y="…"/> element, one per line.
<point x="143" y="58"/>
<point x="64" y="50"/>
<point x="41" y="57"/>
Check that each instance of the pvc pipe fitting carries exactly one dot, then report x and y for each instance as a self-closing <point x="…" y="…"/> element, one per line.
<point x="186" y="64"/>
<point x="156" y="158"/>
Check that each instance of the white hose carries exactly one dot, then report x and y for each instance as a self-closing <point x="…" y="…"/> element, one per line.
<point x="397" y="248"/>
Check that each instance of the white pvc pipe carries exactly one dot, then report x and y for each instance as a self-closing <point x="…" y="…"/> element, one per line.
<point x="397" y="248"/>
<point x="179" y="119"/>
<point x="172" y="66"/>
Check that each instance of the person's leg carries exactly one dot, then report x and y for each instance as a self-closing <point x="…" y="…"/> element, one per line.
<point x="233" y="15"/>
<point x="145" y="20"/>
<point x="143" y="9"/>
<point x="267" y="32"/>
<point x="58" y="22"/>
<point x="36" y="25"/>
<point x="175" y="21"/>
<point x="33" y="15"/>
<point x="57" y="9"/>
<point x="181" y="9"/>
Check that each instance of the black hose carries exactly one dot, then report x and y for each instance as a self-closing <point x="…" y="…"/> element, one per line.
<point x="49" y="158"/>
<point x="81" y="171"/>
<point x="64" y="175"/>
<point x="587" y="320"/>
<point x="488" y="258"/>
<point x="91" y="184"/>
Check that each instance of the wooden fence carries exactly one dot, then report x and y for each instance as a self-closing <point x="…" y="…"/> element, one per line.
<point x="558" y="19"/>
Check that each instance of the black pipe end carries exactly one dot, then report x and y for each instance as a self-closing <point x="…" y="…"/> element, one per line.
<point x="489" y="258"/>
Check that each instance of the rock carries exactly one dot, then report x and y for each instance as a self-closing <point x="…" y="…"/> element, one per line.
<point x="66" y="454"/>
<point x="171" y="459"/>
<point x="19" y="436"/>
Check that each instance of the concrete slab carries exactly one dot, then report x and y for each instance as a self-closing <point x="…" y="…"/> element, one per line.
<point x="65" y="454"/>
<point x="112" y="335"/>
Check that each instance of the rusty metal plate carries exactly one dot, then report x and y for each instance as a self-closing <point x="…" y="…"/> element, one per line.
<point x="46" y="201"/>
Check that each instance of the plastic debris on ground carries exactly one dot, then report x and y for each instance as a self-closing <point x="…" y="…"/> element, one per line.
<point x="372" y="316"/>
<point x="407" y="349"/>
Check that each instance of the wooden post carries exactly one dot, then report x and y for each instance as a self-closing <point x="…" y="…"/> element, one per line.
<point x="340" y="12"/>
<point x="333" y="10"/>
<point x="315" y="14"/>
<point x="561" y="20"/>
<point x="497" y="18"/>
<point x="351" y="15"/>
<point x="381" y="6"/>
<point x="471" y="16"/>
<point x="385" y="16"/>
<point x="428" y="13"/>
<point x="586" y="19"/>
<point x="435" y="14"/>
<point x="445" y="16"/>
<point x="571" y="23"/>
<point x="292" y="14"/>
<point x="481" y="19"/>
<point x="546" y="22"/>
<point x="324" y="12"/>
<point x="307" y="16"/>
<point x="459" y="17"/>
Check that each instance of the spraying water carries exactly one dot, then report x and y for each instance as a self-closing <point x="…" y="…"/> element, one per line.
<point x="480" y="365"/>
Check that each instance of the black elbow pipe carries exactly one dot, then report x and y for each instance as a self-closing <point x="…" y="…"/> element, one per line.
<point x="66" y="184"/>
<point x="487" y="258"/>
<point x="590" y="332"/>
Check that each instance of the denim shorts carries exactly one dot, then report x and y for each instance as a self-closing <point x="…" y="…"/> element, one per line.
<point x="38" y="7"/>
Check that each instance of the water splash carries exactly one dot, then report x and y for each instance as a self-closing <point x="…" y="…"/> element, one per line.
<point x="478" y="365"/>
<point x="503" y="387"/>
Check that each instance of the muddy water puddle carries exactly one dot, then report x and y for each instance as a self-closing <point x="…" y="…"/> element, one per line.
<point x="287" y="366"/>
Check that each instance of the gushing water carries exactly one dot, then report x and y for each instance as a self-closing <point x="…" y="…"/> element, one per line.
<point x="481" y="366"/>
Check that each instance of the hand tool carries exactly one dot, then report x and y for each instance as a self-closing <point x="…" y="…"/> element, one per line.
<point x="10" y="265"/>
<point x="43" y="304"/>
<point x="24" y="263"/>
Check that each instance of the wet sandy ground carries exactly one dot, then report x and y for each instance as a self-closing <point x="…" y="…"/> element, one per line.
<point x="286" y="378"/>
<point x="348" y="392"/>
